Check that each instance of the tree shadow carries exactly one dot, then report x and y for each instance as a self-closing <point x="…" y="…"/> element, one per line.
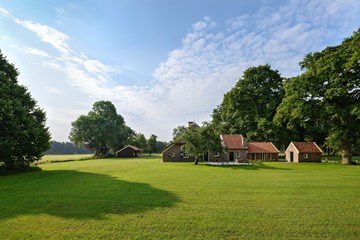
<point x="256" y="166"/>
<point x="81" y="195"/>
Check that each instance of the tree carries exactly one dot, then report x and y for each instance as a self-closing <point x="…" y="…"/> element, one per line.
<point x="139" y="140"/>
<point x="327" y="94"/>
<point x="23" y="135"/>
<point x="160" y="146"/>
<point x="250" y="106"/>
<point x="101" y="130"/>
<point x="177" y="132"/>
<point x="152" y="144"/>
<point x="201" y="140"/>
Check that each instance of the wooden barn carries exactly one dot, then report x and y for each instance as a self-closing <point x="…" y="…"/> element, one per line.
<point x="128" y="151"/>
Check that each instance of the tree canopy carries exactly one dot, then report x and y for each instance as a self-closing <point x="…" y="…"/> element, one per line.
<point x="200" y="140"/>
<point x="249" y="107"/>
<point x="327" y="95"/>
<point x="23" y="134"/>
<point x="101" y="130"/>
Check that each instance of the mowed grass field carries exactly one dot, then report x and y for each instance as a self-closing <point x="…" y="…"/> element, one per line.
<point x="146" y="199"/>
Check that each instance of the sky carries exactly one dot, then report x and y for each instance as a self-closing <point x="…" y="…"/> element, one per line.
<point x="162" y="63"/>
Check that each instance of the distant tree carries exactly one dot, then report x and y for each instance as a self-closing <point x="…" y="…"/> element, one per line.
<point x="160" y="146"/>
<point x="152" y="144"/>
<point x="23" y="135"/>
<point x="139" y="140"/>
<point x="249" y="107"/>
<point x="101" y="130"/>
<point x="327" y="94"/>
<point x="66" y="148"/>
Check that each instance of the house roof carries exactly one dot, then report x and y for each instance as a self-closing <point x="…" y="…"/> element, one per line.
<point x="261" y="147"/>
<point x="180" y="142"/>
<point x="233" y="141"/>
<point x="130" y="146"/>
<point x="307" y="147"/>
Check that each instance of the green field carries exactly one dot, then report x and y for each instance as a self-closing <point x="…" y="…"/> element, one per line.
<point x="148" y="199"/>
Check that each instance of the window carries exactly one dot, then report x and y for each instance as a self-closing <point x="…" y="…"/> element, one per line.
<point x="171" y="154"/>
<point x="216" y="154"/>
<point x="238" y="154"/>
<point x="306" y="155"/>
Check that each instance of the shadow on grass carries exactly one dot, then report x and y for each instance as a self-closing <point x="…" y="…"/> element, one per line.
<point x="257" y="166"/>
<point x="73" y="194"/>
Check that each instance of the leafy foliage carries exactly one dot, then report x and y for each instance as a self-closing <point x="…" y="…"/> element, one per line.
<point x="200" y="140"/>
<point x="152" y="144"/>
<point x="101" y="130"/>
<point x="327" y="95"/>
<point x="249" y="107"/>
<point x="23" y="134"/>
<point x="139" y="140"/>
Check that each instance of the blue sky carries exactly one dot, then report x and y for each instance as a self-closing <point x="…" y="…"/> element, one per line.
<point x="161" y="62"/>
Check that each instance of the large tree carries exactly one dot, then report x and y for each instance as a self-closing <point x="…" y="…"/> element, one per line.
<point x="327" y="95"/>
<point x="23" y="134"/>
<point x="101" y="129"/>
<point x="250" y="106"/>
<point x="200" y="140"/>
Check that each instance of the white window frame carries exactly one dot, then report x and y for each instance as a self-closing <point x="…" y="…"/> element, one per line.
<point x="171" y="154"/>
<point x="306" y="155"/>
<point x="238" y="154"/>
<point x="217" y="154"/>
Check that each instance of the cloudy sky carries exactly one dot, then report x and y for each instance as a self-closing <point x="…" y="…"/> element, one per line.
<point x="161" y="62"/>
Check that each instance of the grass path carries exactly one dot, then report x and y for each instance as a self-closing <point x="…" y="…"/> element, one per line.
<point x="147" y="199"/>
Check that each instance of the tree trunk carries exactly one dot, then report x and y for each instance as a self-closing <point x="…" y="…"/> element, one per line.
<point x="346" y="155"/>
<point x="196" y="161"/>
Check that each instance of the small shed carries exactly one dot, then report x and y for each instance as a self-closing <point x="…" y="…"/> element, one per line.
<point x="128" y="151"/>
<point x="303" y="152"/>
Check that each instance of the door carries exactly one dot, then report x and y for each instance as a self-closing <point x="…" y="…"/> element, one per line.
<point x="206" y="156"/>
<point x="231" y="156"/>
<point x="291" y="156"/>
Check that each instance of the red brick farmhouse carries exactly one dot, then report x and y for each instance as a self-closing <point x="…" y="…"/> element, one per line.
<point x="236" y="149"/>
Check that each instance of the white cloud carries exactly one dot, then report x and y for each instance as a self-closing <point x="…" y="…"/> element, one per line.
<point x="4" y="12"/>
<point x="36" y="52"/>
<point x="49" y="35"/>
<point x="213" y="56"/>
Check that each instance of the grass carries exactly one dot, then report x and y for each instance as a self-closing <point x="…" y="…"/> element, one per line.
<point x="64" y="158"/>
<point x="146" y="199"/>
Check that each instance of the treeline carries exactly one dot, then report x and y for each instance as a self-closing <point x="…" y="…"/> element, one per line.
<point x="66" y="148"/>
<point x="322" y="104"/>
<point x="104" y="131"/>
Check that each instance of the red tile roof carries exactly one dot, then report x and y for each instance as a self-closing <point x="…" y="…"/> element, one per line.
<point x="307" y="147"/>
<point x="261" y="147"/>
<point x="135" y="148"/>
<point x="233" y="141"/>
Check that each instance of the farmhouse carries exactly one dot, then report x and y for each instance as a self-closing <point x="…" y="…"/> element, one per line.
<point x="303" y="152"/>
<point x="128" y="151"/>
<point x="237" y="149"/>
<point x="175" y="152"/>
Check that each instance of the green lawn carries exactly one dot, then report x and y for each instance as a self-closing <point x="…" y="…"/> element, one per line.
<point x="147" y="199"/>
